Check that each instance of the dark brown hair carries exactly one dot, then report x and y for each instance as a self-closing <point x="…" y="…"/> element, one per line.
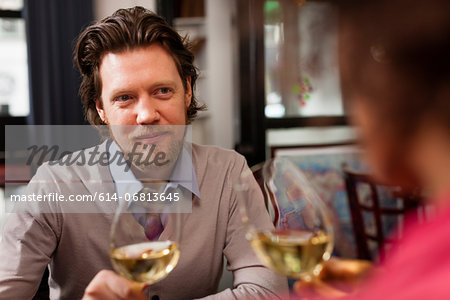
<point x="397" y="53"/>
<point x="127" y="29"/>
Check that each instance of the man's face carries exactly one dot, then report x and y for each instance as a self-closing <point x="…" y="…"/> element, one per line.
<point x="142" y="87"/>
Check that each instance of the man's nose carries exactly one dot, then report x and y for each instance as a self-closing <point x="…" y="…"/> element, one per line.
<point x="147" y="112"/>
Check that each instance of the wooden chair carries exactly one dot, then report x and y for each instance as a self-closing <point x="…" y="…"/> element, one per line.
<point x="406" y="201"/>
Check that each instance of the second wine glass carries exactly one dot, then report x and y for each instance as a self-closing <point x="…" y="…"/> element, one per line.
<point x="302" y="236"/>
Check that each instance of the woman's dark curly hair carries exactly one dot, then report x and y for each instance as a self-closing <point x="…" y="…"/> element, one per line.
<point x="128" y="29"/>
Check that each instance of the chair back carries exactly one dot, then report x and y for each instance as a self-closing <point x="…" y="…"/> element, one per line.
<point x="372" y="205"/>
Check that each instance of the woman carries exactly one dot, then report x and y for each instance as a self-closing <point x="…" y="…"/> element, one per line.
<point x="395" y="71"/>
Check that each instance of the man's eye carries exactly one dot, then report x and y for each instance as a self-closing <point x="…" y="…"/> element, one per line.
<point x="123" y="98"/>
<point x="164" y="91"/>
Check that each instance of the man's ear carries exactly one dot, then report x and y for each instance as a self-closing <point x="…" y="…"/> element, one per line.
<point x="101" y="112"/>
<point x="188" y="93"/>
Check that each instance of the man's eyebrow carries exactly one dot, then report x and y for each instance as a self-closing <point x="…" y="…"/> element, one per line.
<point x="163" y="82"/>
<point x="123" y="90"/>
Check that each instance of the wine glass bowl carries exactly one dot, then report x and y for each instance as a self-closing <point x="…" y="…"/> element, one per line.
<point x="302" y="236"/>
<point x="144" y="241"/>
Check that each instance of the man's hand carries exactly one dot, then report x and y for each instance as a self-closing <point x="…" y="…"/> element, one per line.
<point x="339" y="277"/>
<point x="108" y="285"/>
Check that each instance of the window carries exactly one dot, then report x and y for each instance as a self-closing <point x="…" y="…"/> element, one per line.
<point x="14" y="90"/>
<point x="301" y="73"/>
<point x="288" y="73"/>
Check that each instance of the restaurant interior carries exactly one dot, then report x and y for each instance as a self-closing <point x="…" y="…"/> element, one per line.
<point x="269" y="77"/>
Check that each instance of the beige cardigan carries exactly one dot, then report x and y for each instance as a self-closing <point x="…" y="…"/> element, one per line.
<point x="75" y="245"/>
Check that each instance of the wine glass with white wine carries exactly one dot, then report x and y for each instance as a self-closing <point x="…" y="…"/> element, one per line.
<point x="302" y="236"/>
<point x="145" y="239"/>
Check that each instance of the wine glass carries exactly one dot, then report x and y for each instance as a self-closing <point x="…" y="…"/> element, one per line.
<point x="301" y="237"/>
<point x="145" y="238"/>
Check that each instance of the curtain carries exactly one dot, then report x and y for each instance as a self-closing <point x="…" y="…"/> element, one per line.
<point x="52" y="28"/>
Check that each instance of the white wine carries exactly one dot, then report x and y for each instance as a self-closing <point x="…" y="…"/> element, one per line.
<point x="146" y="262"/>
<point x="293" y="253"/>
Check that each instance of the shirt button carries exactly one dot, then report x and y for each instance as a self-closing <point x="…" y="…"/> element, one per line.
<point x="155" y="297"/>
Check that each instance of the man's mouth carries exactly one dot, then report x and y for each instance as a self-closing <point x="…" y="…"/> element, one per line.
<point x="151" y="138"/>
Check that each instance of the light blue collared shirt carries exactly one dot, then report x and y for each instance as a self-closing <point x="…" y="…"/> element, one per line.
<point x="125" y="182"/>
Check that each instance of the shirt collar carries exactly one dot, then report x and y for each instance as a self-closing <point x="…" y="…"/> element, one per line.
<point x="125" y="182"/>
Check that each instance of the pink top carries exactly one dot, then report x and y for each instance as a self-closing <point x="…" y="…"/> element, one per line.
<point x="419" y="266"/>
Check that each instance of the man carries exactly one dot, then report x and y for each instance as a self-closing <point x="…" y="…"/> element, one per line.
<point x="136" y="72"/>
